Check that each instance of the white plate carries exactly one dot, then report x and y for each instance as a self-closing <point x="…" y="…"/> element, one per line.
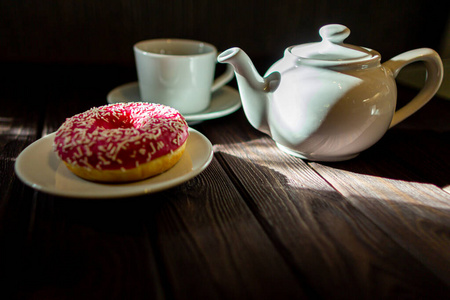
<point x="39" y="167"/>
<point x="224" y="101"/>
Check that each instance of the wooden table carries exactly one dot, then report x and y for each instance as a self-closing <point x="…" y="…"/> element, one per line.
<point x="256" y="224"/>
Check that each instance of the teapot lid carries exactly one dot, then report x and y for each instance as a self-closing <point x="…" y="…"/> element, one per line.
<point x="332" y="48"/>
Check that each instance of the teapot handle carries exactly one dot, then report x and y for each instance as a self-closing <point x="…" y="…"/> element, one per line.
<point x="435" y="70"/>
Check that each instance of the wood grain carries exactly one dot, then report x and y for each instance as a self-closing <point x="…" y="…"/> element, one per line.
<point x="90" y="249"/>
<point x="256" y="224"/>
<point x="105" y="32"/>
<point x="415" y="214"/>
<point x="73" y="244"/>
<point x="214" y="248"/>
<point x="317" y="229"/>
<point x="19" y="126"/>
<point x="400" y="185"/>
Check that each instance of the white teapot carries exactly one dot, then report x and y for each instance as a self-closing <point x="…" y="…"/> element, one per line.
<point x="328" y="101"/>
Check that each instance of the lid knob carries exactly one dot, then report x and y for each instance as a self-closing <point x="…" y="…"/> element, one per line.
<point x="334" y="33"/>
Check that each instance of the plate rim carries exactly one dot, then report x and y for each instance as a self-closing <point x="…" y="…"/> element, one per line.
<point x="196" y="116"/>
<point x="147" y="189"/>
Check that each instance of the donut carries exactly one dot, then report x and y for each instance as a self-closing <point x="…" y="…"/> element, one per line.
<point x="122" y="142"/>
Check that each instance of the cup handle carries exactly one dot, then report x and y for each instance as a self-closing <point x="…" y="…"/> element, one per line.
<point x="435" y="70"/>
<point x="223" y="79"/>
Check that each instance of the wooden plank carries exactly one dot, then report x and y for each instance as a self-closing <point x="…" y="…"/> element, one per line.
<point x="234" y="258"/>
<point x="415" y="214"/>
<point x="104" y="32"/>
<point x="20" y="120"/>
<point x="90" y="249"/>
<point x="82" y="248"/>
<point x="421" y="142"/>
<point x="212" y="246"/>
<point x="400" y="184"/>
<point x="317" y="229"/>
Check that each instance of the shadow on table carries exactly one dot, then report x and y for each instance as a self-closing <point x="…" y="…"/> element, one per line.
<point x="406" y="154"/>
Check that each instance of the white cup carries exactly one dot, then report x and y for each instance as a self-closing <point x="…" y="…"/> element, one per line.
<point x="178" y="73"/>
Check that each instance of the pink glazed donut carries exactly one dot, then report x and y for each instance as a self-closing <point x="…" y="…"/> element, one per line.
<point x="122" y="142"/>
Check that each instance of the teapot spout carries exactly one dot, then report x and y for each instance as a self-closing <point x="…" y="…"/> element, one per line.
<point x="255" y="91"/>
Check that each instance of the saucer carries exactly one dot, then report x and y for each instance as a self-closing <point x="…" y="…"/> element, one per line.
<point x="40" y="168"/>
<point x="224" y="101"/>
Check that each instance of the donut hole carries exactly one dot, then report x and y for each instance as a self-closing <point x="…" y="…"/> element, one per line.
<point x="115" y="122"/>
<point x="128" y="118"/>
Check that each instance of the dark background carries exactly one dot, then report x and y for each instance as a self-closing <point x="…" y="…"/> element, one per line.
<point x="104" y="31"/>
